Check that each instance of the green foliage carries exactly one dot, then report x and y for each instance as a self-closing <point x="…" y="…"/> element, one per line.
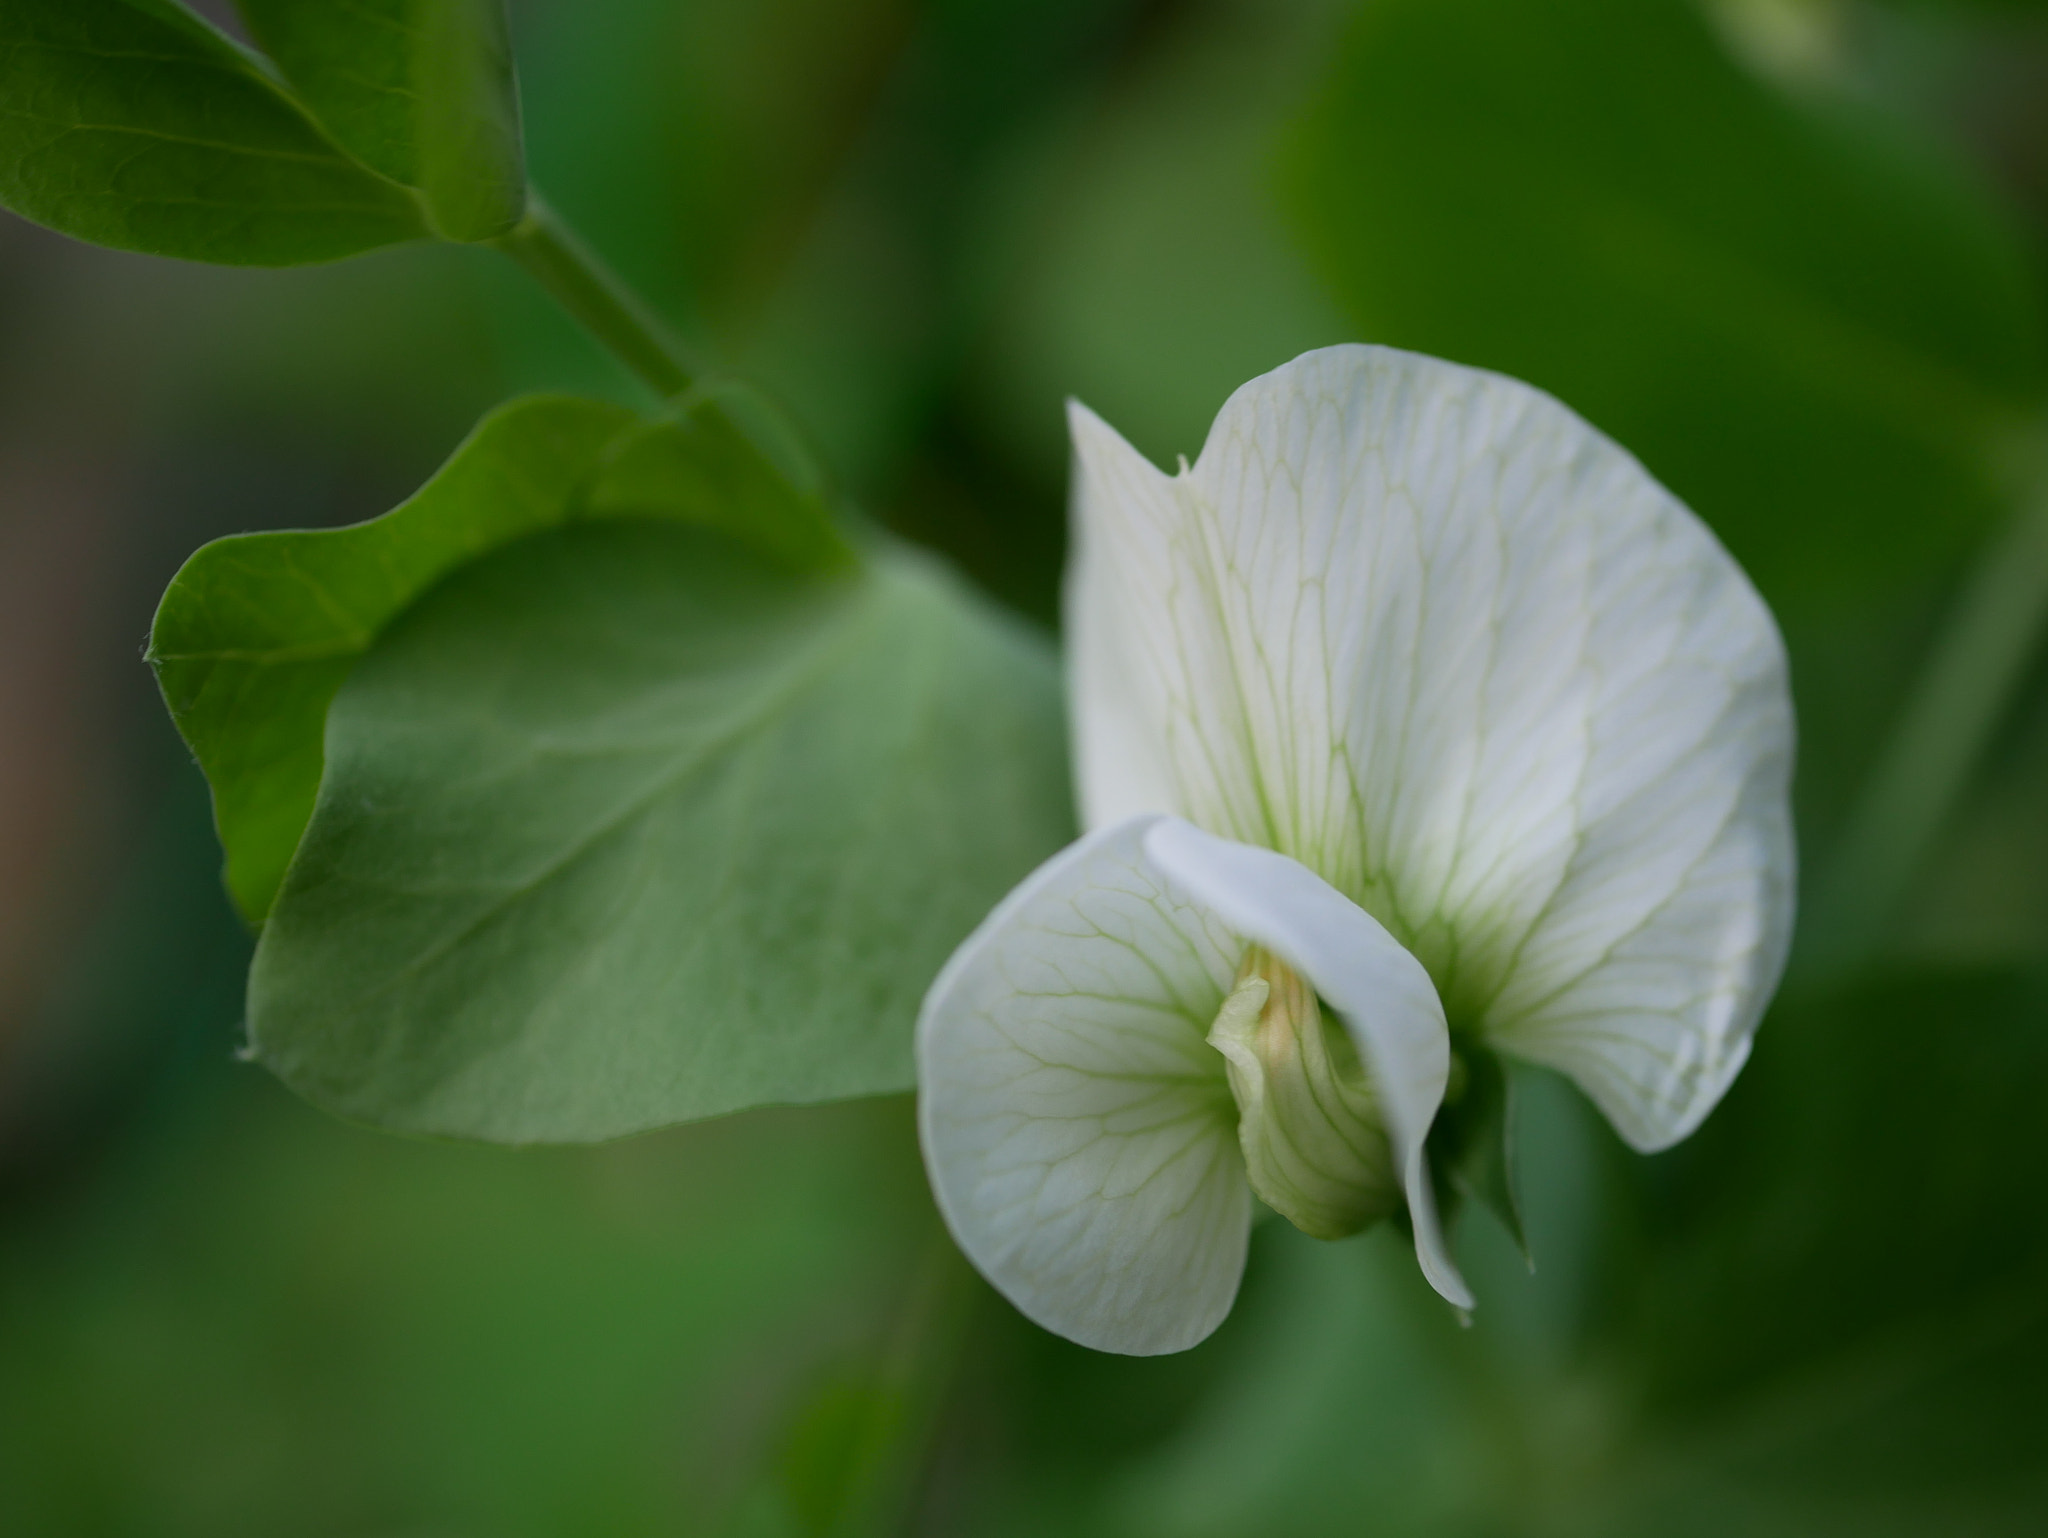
<point x="257" y="630"/>
<point x="1823" y="1315"/>
<point x="1835" y="1303"/>
<point x="137" y="126"/>
<point x="132" y="123"/>
<point x="847" y="1462"/>
<point x="627" y="825"/>
<point x="421" y="91"/>
<point x="1820" y="1315"/>
<point x="366" y="1335"/>
<point x="1149" y="273"/>
<point x="723" y="456"/>
<point x="1812" y="328"/>
<point x="829" y="1452"/>
<point x="560" y="838"/>
<point x="1797" y="1226"/>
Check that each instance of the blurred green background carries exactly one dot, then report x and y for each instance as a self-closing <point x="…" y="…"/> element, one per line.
<point x="1790" y="252"/>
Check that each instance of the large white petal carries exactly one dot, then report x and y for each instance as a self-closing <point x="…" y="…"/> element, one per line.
<point x="1377" y="988"/>
<point x="1425" y="630"/>
<point x="1078" y="1129"/>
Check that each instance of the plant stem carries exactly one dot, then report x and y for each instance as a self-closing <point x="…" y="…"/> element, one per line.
<point x="556" y="258"/>
<point x="913" y="1381"/>
<point x="1978" y="661"/>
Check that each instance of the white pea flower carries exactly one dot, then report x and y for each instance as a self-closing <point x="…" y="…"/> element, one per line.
<point x="1414" y="722"/>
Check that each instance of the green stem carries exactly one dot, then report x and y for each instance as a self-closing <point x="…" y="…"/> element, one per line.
<point x="1977" y="663"/>
<point x="912" y="1382"/>
<point x="556" y="258"/>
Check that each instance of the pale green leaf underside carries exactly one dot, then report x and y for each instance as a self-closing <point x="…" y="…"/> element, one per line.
<point x="140" y="128"/>
<point x="257" y="630"/>
<point x="625" y="825"/>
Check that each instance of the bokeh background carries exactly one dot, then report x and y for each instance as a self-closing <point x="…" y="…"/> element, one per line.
<point x="1790" y="252"/>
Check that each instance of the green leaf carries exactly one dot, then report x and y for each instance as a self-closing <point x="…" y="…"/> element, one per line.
<point x="627" y="825"/>
<point x="724" y="456"/>
<point x="138" y="126"/>
<point x="1803" y="319"/>
<point x="257" y="630"/>
<point x="423" y="91"/>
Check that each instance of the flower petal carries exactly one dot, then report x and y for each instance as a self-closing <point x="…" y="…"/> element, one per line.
<point x="1078" y="1129"/>
<point x="1426" y="631"/>
<point x="1378" y="990"/>
<point x="1118" y="656"/>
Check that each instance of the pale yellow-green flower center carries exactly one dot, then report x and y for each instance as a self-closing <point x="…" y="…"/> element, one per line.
<point x="1314" y="1145"/>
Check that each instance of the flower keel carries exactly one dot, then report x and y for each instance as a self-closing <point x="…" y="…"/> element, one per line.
<point x="1308" y="1122"/>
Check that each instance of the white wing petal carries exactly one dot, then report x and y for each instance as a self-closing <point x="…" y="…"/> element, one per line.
<point x="1117" y="653"/>
<point x="1423" y="629"/>
<point x="1378" y="990"/>
<point x="1078" y="1129"/>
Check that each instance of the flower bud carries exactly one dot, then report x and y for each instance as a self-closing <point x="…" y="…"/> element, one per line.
<point x="1314" y="1145"/>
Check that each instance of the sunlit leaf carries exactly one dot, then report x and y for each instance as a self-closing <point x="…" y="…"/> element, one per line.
<point x="1807" y="323"/>
<point x="138" y="126"/>
<point x="423" y="91"/>
<point x="627" y="825"/>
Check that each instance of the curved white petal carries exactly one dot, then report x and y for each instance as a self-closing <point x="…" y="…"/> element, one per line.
<point x="1426" y="631"/>
<point x="1378" y="990"/>
<point x="1078" y="1129"/>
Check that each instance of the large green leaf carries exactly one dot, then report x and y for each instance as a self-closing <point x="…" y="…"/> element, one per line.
<point x="1804" y="321"/>
<point x="421" y="90"/>
<point x="135" y="125"/>
<point x="627" y="825"/>
<point x="257" y="630"/>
